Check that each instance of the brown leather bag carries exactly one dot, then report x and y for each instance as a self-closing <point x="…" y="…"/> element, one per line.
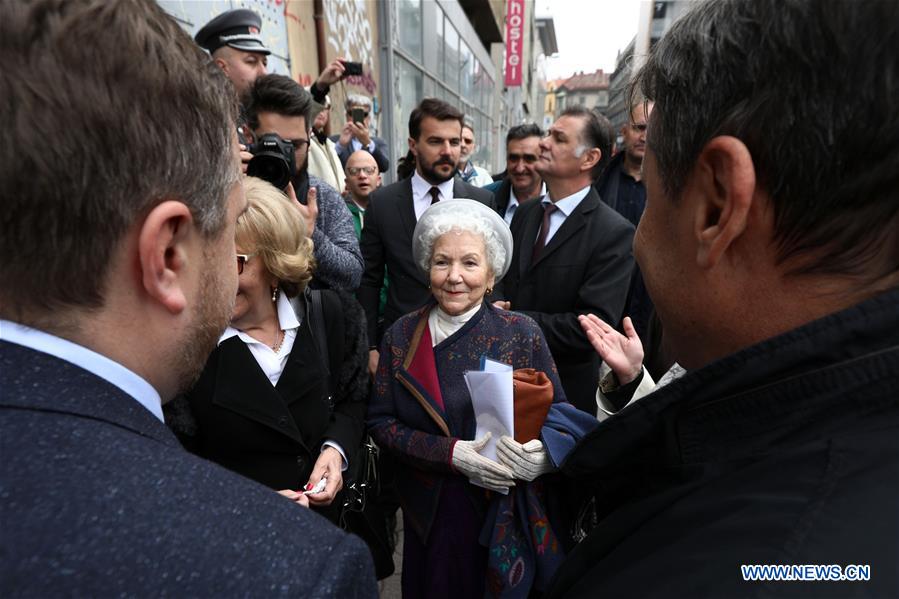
<point x="532" y="394"/>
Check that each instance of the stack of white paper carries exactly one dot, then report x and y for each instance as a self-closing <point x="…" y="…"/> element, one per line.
<point x="492" y="401"/>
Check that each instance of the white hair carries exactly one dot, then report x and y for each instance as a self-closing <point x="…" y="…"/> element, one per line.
<point x="444" y="223"/>
<point x="358" y="100"/>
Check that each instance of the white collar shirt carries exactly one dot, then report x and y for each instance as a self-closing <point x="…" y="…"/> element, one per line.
<point x="421" y="193"/>
<point x="513" y="203"/>
<point x="107" y="369"/>
<point x="565" y="207"/>
<point x="271" y="362"/>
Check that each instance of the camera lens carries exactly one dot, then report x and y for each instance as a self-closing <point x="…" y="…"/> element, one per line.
<point x="271" y="168"/>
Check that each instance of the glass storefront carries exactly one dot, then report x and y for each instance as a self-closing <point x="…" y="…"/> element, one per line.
<point x="447" y="68"/>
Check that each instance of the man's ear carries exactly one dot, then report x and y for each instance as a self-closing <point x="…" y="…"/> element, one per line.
<point x="591" y="158"/>
<point x="163" y="253"/>
<point x="412" y="147"/>
<point x="222" y="64"/>
<point x="722" y="186"/>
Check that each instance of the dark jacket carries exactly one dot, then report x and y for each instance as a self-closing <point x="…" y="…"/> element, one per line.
<point x="379" y="153"/>
<point x="585" y="268"/>
<point x="98" y="499"/>
<point x="786" y="452"/>
<point x="274" y="435"/>
<point x="625" y="194"/>
<point x="387" y="242"/>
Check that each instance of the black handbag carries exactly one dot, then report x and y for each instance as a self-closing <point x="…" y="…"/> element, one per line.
<point x="359" y="514"/>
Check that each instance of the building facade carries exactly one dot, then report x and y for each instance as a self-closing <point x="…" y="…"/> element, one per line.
<point x="590" y="90"/>
<point x="409" y="49"/>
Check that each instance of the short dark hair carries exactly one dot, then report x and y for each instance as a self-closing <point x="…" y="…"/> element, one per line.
<point x="597" y="133"/>
<point x="278" y="94"/>
<point x="108" y="108"/>
<point x="523" y="132"/>
<point x="436" y="109"/>
<point x="811" y="102"/>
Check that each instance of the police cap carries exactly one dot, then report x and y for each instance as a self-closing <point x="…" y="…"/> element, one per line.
<point x="237" y="28"/>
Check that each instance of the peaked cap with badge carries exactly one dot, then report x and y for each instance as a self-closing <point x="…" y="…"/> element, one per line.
<point x="237" y="28"/>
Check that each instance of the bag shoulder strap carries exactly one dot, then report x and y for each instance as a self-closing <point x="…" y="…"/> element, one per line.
<point x="316" y="315"/>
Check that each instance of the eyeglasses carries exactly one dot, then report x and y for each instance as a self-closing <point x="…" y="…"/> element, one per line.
<point x="349" y="113"/>
<point x="242" y="260"/>
<point x="528" y="158"/>
<point x="299" y="144"/>
<point x="352" y="171"/>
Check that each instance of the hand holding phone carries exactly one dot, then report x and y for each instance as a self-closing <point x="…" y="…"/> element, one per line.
<point x="359" y="116"/>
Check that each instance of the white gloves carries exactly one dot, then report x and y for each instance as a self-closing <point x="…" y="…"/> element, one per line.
<point x="480" y="470"/>
<point x="527" y="461"/>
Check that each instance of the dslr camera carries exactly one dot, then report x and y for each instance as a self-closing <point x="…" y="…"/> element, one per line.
<point x="273" y="160"/>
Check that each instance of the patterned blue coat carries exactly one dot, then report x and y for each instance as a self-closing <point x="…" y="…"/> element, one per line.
<point x="405" y="414"/>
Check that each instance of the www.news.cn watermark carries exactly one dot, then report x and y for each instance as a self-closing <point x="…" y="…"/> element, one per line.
<point x="805" y="572"/>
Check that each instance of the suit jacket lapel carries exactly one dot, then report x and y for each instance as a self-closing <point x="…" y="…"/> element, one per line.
<point x="242" y="387"/>
<point x="574" y="223"/>
<point x="303" y="371"/>
<point x="460" y="189"/>
<point x="530" y="227"/>
<point x="407" y="209"/>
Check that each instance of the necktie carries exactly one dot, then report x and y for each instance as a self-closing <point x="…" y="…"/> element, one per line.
<point x="435" y="195"/>
<point x="548" y="209"/>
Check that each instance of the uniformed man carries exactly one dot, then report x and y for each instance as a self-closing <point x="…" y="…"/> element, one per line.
<point x="234" y="42"/>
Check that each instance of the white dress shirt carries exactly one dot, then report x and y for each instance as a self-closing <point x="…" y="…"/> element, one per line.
<point x="513" y="203"/>
<point x="421" y="193"/>
<point x="97" y="364"/>
<point x="565" y="207"/>
<point x="270" y="361"/>
<point x="273" y="362"/>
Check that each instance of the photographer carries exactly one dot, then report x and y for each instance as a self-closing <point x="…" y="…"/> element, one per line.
<point x="278" y="105"/>
<point x="356" y="135"/>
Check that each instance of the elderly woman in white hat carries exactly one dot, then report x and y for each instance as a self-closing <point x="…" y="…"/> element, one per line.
<point x="421" y="411"/>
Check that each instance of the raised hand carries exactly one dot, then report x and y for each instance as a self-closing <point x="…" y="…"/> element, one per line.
<point x="623" y="353"/>
<point x="309" y="210"/>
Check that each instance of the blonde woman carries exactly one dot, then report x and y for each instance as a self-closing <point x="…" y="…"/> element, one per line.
<point x="269" y="405"/>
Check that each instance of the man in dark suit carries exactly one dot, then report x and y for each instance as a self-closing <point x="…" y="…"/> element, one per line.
<point x="572" y="252"/>
<point x="522" y="181"/>
<point x="117" y="282"/>
<point x="435" y="132"/>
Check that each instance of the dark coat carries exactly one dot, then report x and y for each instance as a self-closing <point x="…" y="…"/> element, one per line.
<point x="501" y="190"/>
<point x="99" y="499"/>
<point x="274" y="435"/>
<point x="387" y="242"/>
<point x="585" y="268"/>
<point x="786" y="452"/>
<point x="379" y="153"/>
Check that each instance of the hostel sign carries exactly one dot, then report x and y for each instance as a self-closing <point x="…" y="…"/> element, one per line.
<point x="514" y="37"/>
